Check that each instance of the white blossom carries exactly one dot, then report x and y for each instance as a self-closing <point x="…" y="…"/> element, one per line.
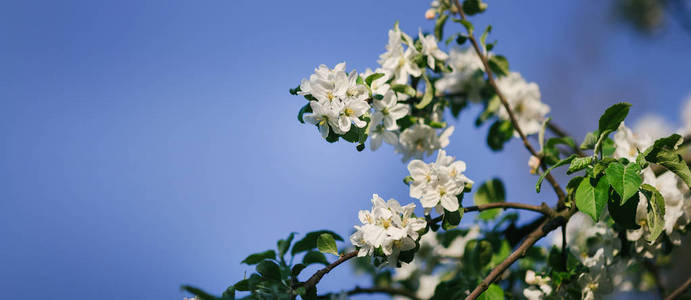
<point x="438" y="184"/>
<point x="388" y="110"/>
<point x="543" y="287"/>
<point x="652" y="126"/>
<point x="465" y="76"/>
<point x="628" y="144"/>
<point x="324" y="116"/>
<point x="397" y="60"/>
<point x="387" y="225"/>
<point x="421" y="140"/>
<point x="378" y="86"/>
<point x="379" y="134"/>
<point x="524" y="100"/>
<point x="430" y="48"/>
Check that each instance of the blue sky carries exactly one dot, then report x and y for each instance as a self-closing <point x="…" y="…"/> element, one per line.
<point x="147" y="144"/>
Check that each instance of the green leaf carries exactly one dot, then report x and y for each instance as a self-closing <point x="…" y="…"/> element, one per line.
<point x="429" y="94"/>
<point x="493" y="292"/>
<point x="405" y="89"/>
<point x="373" y="77"/>
<point x="284" y="245"/>
<point x="490" y="191"/>
<point x="656" y="211"/>
<point x="305" y="109"/>
<point x="258" y="257"/>
<point x="309" y="242"/>
<point x="468" y="26"/>
<point x="483" y="37"/>
<point x="499" y="65"/>
<point x="579" y="163"/>
<point x="601" y="165"/>
<point x="314" y="257"/>
<point x="199" y="293"/>
<point x="499" y="133"/>
<point x="572" y="186"/>
<point x="439" y="26"/>
<point x="269" y="269"/>
<point x="451" y="219"/>
<point x="297" y="268"/>
<point x="327" y="244"/>
<point x="590" y="140"/>
<point x="624" y="179"/>
<point x="623" y="214"/>
<point x="591" y="197"/>
<point x="551" y="152"/>
<point x="613" y="116"/>
<point x="662" y="152"/>
<point x="562" y="162"/>
<point x="472" y="7"/>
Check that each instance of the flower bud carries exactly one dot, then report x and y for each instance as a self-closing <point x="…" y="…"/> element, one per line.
<point x="430" y="14"/>
<point x="533" y="163"/>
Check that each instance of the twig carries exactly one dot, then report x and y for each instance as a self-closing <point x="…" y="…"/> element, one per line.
<point x="543" y="208"/>
<point x="546" y="227"/>
<point x="312" y="281"/>
<point x="377" y="290"/>
<point x="680" y="290"/>
<point x="562" y="133"/>
<point x="505" y="103"/>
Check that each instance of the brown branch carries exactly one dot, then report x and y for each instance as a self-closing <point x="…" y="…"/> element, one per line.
<point x="312" y="281"/>
<point x="376" y="290"/>
<point x="546" y="227"/>
<point x="680" y="290"/>
<point x="505" y="103"/>
<point x="543" y="208"/>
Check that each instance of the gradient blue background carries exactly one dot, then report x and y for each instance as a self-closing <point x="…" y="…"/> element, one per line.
<point x="147" y="144"/>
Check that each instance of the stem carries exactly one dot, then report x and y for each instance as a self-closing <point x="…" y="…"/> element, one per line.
<point x="561" y="133"/>
<point x="680" y="290"/>
<point x="505" y="103"/>
<point x="546" y="227"/>
<point x="312" y="282"/>
<point x="377" y="290"/>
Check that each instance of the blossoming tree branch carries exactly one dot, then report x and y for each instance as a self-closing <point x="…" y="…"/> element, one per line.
<point x="620" y="215"/>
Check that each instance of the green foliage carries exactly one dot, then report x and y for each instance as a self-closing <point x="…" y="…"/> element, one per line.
<point x="471" y="7"/>
<point x="613" y="116"/>
<point x="562" y="162"/>
<point x="439" y="26"/>
<point x="500" y="133"/>
<point x="483" y="37"/>
<point x="550" y="153"/>
<point x="624" y="214"/>
<point x="468" y="26"/>
<point x="590" y="140"/>
<point x="305" y="109"/>
<point x="490" y="191"/>
<point x="284" y="244"/>
<point x="309" y="242"/>
<point x="256" y="258"/>
<point x="591" y="196"/>
<point x="373" y="77"/>
<point x="269" y="269"/>
<point x="451" y="219"/>
<point x="499" y="65"/>
<point x="656" y="211"/>
<point x="579" y="163"/>
<point x="314" y="257"/>
<point x="327" y="244"/>
<point x="493" y="292"/>
<point x="662" y="152"/>
<point x="404" y="88"/>
<point x="624" y="179"/>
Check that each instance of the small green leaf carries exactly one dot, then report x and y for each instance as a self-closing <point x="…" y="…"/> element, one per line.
<point x="327" y="244"/>
<point x="295" y="90"/>
<point x="451" y="219"/>
<point x="439" y="26"/>
<point x="579" y="163"/>
<point x="662" y="152"/>
<point x="405" y="89"/>
<point x="468" y="26"/>
<point x="429" y="94"/>
<point x="591" y="197"/>
<point x="297" y="268"/>
<point x="613" y="116"/>
<point x="493" y="292"/>
<point x="373" y="77"/>
<point x="309" y="242"/>
<point x="624" y="179"/>
<point x="590" y="140"/>
<point x="258" y="257"/>
<point x="483" y="37"/>
<point x="499" y="133"/>
<point x="490" y="191"/>
<point x="499" y="65"/>
<point x="601" y="165"/>
<point x="562" y="162"/>
<point x="284" y="245"/>
<point x="656" y="211"/>
<point x="314" y="257"/>
<point x="472" y="7"/>
<point x="305" y="109"/>
<point x="269" y="269"/>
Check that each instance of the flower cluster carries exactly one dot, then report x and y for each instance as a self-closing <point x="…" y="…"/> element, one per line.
<point x="387" y="226"/>
<point x="438" y="184"/>
<point x="466" y="77"/>
<point x="524" y="100"/>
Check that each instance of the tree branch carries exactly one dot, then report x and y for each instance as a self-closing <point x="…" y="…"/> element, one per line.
<point x="680" y="290"/>
<point x="376" y="290"/>
<point x="546" y="227"/>
<point x="505" y="103"/>
<point x="312" y="281"/>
